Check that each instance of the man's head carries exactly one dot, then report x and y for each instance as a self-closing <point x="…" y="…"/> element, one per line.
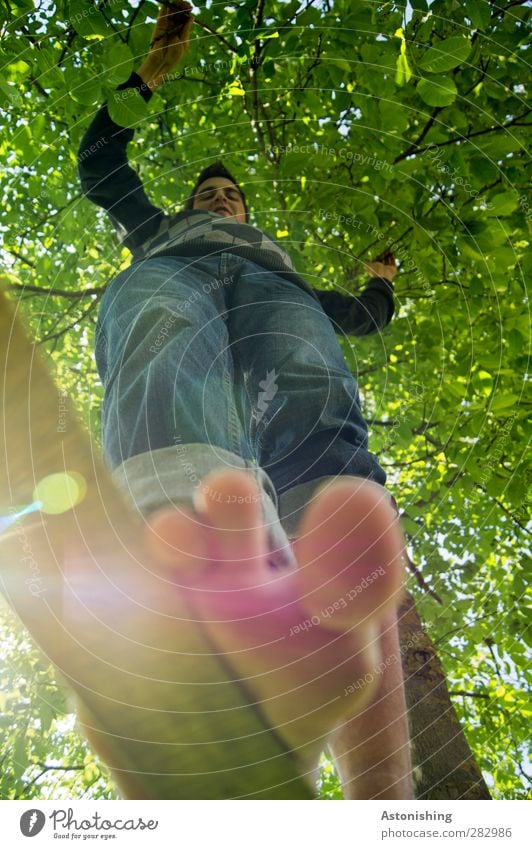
<point x="216" y="190"/>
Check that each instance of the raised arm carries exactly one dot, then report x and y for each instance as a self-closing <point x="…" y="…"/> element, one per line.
<point x="105" y="175"/>
<point x="370" y="311"/>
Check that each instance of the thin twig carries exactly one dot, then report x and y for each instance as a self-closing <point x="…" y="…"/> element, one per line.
<point x="59" y="293"/>
<point x="218" y="35"/>
<point x="421" y="582"/>
<point x="469" y="694"/>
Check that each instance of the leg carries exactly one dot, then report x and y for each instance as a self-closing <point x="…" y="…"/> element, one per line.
<point x="305" y="420"/>
<point x="169" y="416"/>
<point x="310" y="430"/>
<point x="162" y="350"/>
<point x="372" y="750"/>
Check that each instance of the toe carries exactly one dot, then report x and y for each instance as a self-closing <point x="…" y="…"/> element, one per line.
<point x="178" y="539"/>
<point x="350" y="553"/>
<point x="231" y="502"/>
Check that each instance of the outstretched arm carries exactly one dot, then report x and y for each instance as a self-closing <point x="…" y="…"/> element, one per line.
<point x="370" y="311"/>
<point x="105" y="174"/>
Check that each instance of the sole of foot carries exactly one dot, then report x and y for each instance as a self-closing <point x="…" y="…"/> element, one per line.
<point x="288" y="645"/>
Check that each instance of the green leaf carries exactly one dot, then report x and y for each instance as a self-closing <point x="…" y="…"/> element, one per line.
<point x="87" y="91"/>
<point x="503" y="204"/>
<point x="479" y="12"/>
<point x="497" y="144"/>
<point x="87" y="20"/>
<point x="484" y="169"/>
<point x="473" y="226"/>
<point x="235" y="89"/>
<point x="403" y="72"/>
<point x="504" y="402"/>
<point x="268" y="69"/>
<point x="20" y="756"/>
<point x="446" y="55"/>
<point x="17" y="71"/>
<point x="46" y="715"/>
<point x="437" y="93"/>
<point x="118" y="64"/>
<point x="127" y="107"/>
<point x="264" y="33"/>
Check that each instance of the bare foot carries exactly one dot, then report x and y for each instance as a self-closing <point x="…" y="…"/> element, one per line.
<point x="265" y="664"/>
<point x="200" y="672"/>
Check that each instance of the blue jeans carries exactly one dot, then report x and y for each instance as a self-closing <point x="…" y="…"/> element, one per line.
<point x="218" y="350"/>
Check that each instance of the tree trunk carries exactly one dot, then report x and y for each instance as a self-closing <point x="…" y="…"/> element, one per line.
<point x="444" y="767"/>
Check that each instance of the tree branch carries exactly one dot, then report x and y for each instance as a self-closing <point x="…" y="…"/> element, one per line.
<point x="77" y="320"/>
<point x="218" y="35"/>
<point x="59" y="293"/>
<point x="463" y="626"/>
<point x="19" y="256"/>
<point x="421" y="582"/>
<point x="430" y="123"/>
<point x="44" y="769"/>
<point x="258" y="14"/>
<point x="133" y="18"/>
<point x="471" y="695"/>
<point x="419" y="150"/>
<point x="506" y="511"/>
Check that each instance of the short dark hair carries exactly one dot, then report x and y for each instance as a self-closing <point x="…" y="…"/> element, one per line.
<point x="217" y="169"/>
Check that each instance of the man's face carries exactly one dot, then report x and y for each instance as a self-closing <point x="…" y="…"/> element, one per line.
<point x="220" y="195"/>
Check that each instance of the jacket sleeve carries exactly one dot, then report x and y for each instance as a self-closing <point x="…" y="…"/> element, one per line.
<point x="108" y="180"/>
<point x="367" y="313"/>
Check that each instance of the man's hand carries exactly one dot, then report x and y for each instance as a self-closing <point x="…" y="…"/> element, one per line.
<point x="170" y="37"/>
<point x="169" y="42"/>
<point x="384" y="266"/>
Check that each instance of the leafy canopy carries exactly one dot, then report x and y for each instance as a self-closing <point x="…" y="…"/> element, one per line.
<point x="354" y="126"/>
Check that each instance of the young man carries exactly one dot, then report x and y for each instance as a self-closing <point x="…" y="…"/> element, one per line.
<point x="227" y="396"/>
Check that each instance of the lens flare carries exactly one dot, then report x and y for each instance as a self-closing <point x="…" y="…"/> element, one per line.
<point x="53" y="495"/>
<point x="60" y="492"/>
<point x="15" y="515"/>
